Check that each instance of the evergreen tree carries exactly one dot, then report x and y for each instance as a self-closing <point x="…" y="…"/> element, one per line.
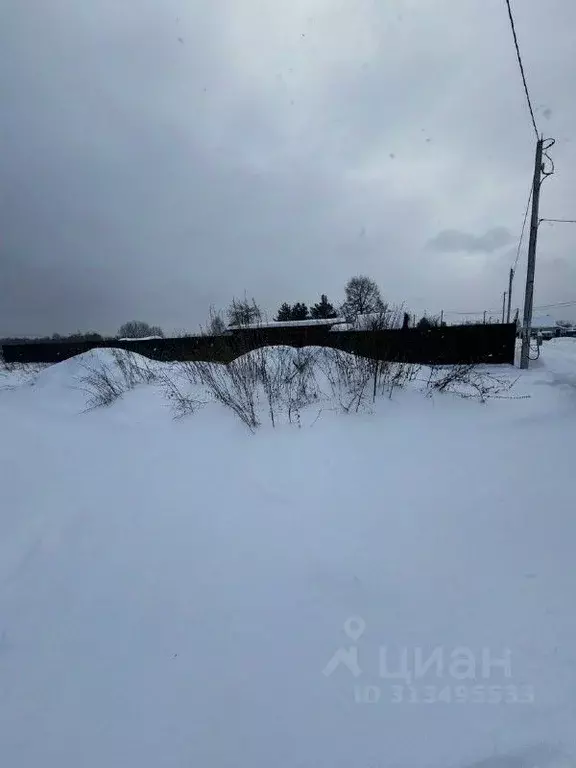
<point x="299" y="311"/>
<point x="323" y="310"/>
<point x="428" y="322"/>
<point x="284" y="313"/>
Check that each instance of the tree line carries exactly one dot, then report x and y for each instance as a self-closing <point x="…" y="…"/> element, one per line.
<point x="362" y="298"/>
<point x="135" y="329"/>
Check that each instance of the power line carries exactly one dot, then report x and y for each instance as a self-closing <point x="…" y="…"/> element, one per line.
<point x="499" y="311"/>
<point x="560" y="304"/>
<point x="517" y="46"/>
<point x="523" y="228"/>
<point x="474" y="312"/>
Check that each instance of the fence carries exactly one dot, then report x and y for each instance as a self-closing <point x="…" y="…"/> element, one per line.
<point x="446" y="345"/>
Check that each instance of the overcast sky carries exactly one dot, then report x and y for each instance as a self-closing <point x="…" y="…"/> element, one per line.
<point x="161" y="156"/>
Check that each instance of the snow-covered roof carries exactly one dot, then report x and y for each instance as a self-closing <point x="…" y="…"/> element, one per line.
<point x="368" y="317"/>
<point x="288" y="324"/>
<point x="141" y="338"/>
<point x="389" y="318"/>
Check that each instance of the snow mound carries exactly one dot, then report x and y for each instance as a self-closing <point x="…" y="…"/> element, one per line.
<point x="15" y="376"/>
<point x="70" y="373"/>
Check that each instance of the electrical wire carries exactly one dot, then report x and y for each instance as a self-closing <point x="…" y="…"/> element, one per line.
<point x="560" y="304"/>
<point x="474" y="312"/>
<point x="545" y="172"/>
<point x="522" y="233"/>
<point x="537" y="352"/>
<point x="498" y="312"/>
<point x="522" y="72"/>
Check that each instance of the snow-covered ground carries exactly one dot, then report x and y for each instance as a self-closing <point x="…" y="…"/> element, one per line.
<point x="186" y="593"/>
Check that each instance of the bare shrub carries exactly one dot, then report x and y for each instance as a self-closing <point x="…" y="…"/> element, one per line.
<point x="234" y="385"/>
<point x="384" y="375"/>
<point x="175" y="385"/>
<point x="15" y="375"/>
<point x="355" y="381"/>
<point x="278" y="381"/>
<point x="101" y="385"/>
<point x="467" y="380"/>
<point x="349" y="377"/>
<point x="301" y="385"/>
<point x="288" y="380"/>
<point x="396" y="375"/>
<point x="133" y="370"/>
<point x="104" y="382"/>
<point x="271" y="374"/>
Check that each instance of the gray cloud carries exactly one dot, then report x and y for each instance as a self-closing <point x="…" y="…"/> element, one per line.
<point x="142" y="177"/>
<point x="454" y="241"/>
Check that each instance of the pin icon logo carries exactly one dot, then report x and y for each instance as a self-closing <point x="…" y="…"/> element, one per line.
<point x="354" y="628"/>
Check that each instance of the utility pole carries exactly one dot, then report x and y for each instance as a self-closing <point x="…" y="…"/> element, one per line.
<point x="510" y="294"/>
<point x="503" y="306"/>
<point x="529" y="296"/>
<point x="484" y="320"/>
<point x="441" y="316"/>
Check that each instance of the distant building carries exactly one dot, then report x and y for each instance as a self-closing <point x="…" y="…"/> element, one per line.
<point x="286" y="324"/>
<point x="546" y="327"/>
<point x="544" y="323"/>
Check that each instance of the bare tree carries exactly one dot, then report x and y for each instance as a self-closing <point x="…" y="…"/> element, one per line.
<point x="362" y="297"/>
<point x="137" y="329"/>
<point x="216" y="324"/>
<point x="243" y="312"/>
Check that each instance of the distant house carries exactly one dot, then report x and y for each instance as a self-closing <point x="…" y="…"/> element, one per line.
<point x="545" y="325"/>
<point x="286" y="324"/>
<point x="389" y="318"/>
<point x="297" y="333"/>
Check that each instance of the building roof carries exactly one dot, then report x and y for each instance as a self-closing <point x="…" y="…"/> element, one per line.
<point x="140" y="338"/>
<point x="287" y="324"/>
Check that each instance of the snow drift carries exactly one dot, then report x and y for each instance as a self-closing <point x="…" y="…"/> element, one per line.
<point x="184" y="593"/>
